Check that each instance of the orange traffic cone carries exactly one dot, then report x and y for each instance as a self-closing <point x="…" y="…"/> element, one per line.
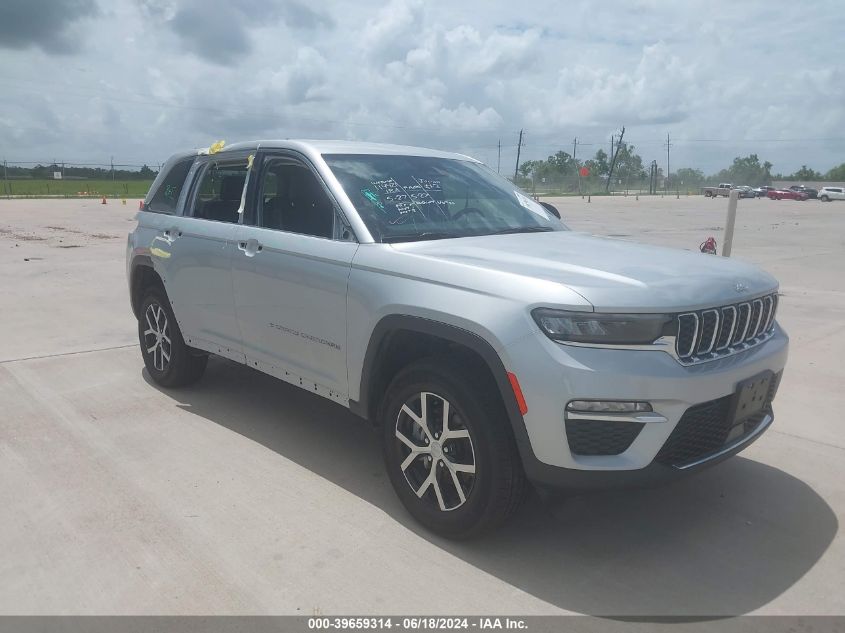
<point x="104" y="200"/>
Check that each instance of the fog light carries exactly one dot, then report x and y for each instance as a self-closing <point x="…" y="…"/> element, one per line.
<point x="608" y="406"/>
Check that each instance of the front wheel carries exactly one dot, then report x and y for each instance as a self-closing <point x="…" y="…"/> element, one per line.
<point x="168" y="359"/>
<point x="824" y="199"/>
<point x="449" y="449"/>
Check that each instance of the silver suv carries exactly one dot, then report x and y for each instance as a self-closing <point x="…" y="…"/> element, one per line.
<point x="490" y="345"/>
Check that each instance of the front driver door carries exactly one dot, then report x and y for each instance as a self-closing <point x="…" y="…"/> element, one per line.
<point x="290" y="274"/>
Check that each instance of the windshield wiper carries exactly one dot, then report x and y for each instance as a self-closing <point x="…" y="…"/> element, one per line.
<point x="523" y="229"/>
<point x="413" y="237"/>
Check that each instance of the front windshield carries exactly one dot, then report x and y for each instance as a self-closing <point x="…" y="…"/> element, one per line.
<point x="408" y="198"/>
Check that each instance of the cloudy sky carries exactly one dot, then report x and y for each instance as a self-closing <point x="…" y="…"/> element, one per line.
<point x="84" y="80"/>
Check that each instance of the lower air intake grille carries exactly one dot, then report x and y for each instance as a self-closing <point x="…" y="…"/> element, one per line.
<point x="704" y="429"/>
<point x="601" y="437"/>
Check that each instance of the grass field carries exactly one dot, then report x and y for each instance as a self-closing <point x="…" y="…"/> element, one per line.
<point x="75" y="188"/>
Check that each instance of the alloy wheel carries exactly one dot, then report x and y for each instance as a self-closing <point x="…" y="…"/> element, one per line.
<point x="438" y="456"/>
<point x="157" y="336"/>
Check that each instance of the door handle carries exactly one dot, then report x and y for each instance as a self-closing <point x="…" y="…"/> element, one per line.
<point x="251" y="247"/>
<point x="171" y="234"/>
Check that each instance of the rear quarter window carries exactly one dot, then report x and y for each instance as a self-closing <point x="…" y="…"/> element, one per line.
<point x="167" y="191"/>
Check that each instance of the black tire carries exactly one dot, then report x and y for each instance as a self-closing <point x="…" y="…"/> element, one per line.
<point x="824" y="199"/>
<point x="170" y="365"/>
<point x="498" y="485"/>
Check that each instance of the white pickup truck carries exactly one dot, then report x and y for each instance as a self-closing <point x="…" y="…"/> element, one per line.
<point x="724" y="189"/>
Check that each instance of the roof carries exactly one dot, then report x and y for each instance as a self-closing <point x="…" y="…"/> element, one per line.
<point x="344" y="147"/>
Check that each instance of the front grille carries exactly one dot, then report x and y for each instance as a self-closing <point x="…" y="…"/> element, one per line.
<point x="706" y="428"/>
<point x="715" y="332"/>
<point x="601" y="437"/>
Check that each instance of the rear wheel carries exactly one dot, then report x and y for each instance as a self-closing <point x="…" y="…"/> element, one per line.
<point x="168" y="359"/>
<point x="449" y="450"/>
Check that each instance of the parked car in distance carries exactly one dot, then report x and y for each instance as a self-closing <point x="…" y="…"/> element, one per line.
<point x="826" y="194"/>
<point x="811" y="193"/>
<point x="746" y="192"/>
<point x="724" y="189"/>
<point x="489" y="344"/>
<point x="787" y="194"/>
<point x="762" y="190"/>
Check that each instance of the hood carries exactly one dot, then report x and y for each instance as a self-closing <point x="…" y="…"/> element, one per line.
<point x="611" y="274"/>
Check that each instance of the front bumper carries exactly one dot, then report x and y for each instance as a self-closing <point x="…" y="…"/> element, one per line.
<point x="552" y="374"/>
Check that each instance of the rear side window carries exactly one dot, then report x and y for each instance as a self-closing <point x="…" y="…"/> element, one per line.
<point x="165" y="197"/>
<point x="219" y="192"/>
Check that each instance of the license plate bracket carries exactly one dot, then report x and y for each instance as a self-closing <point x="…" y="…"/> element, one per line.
<point x="750" y="396"/>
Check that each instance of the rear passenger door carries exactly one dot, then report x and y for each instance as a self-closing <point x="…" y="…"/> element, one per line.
<point x="290" y="271"/>
<point x="201" y="243"/>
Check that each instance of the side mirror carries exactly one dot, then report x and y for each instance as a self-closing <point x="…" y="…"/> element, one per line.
<point x="551" y="209"/>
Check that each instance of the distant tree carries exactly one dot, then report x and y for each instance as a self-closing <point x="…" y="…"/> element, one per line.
<point x="561" y="162"/>
<point x="747" y="171"/>
<point x="527" y="168"/>
<point x="689" y="177"/>
<point x="805" y="173"/>
<point x="145" y="173"/>
<point x="598" y="165"/>
<point x="629" y="165"/>
<point x="836" y="173"/>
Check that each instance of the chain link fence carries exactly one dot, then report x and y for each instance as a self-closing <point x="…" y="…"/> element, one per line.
<point x="58" y="179"/>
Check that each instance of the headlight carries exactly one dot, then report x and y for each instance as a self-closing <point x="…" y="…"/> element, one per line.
<point x="596" y="327"/>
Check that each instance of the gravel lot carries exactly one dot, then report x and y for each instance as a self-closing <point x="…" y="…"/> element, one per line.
<point x="245" y="495"/>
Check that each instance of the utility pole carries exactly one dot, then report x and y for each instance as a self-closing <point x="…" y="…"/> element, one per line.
<point x="668" y="170"/>
<point x="114" y="188"/>
<point x="613" y="159"/>
<point x="499" y="163"/>
<point x="577" y="170"/>
<point x="6" y="179"/>
<point x="518" y="148"/>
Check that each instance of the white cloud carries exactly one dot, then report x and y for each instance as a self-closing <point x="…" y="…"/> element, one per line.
<point x="154" y="76"/>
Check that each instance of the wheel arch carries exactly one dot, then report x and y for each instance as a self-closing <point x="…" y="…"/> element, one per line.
<point x="399" y="339"/>
<point x="142" y="275"/>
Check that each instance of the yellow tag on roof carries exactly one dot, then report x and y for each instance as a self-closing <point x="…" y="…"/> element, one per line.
<point x="249" y="161"/>
<point x="216" y="147"/>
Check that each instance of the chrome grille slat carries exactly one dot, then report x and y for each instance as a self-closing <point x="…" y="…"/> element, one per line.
<point x="755" y="320"/>
<point x="715" y="332"/>
<point x="730" y="328"/>
<point x="769" y="304"/>
<point x="771" y="322"/>
<point x="744" y="319"/>
<point x="690" y="348"/>
<point x="705" y="345"/>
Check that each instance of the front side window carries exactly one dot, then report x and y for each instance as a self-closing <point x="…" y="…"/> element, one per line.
<point x="167" y="195"/>
<point x="293" y="200"/>
<point x="408" y="198"/>
<point x="219" y="192"/>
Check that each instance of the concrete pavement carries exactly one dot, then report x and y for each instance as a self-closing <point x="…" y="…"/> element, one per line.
<point x="243" y="494"/>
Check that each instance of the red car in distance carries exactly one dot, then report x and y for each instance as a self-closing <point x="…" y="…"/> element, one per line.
<point x="787" y="194"/>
